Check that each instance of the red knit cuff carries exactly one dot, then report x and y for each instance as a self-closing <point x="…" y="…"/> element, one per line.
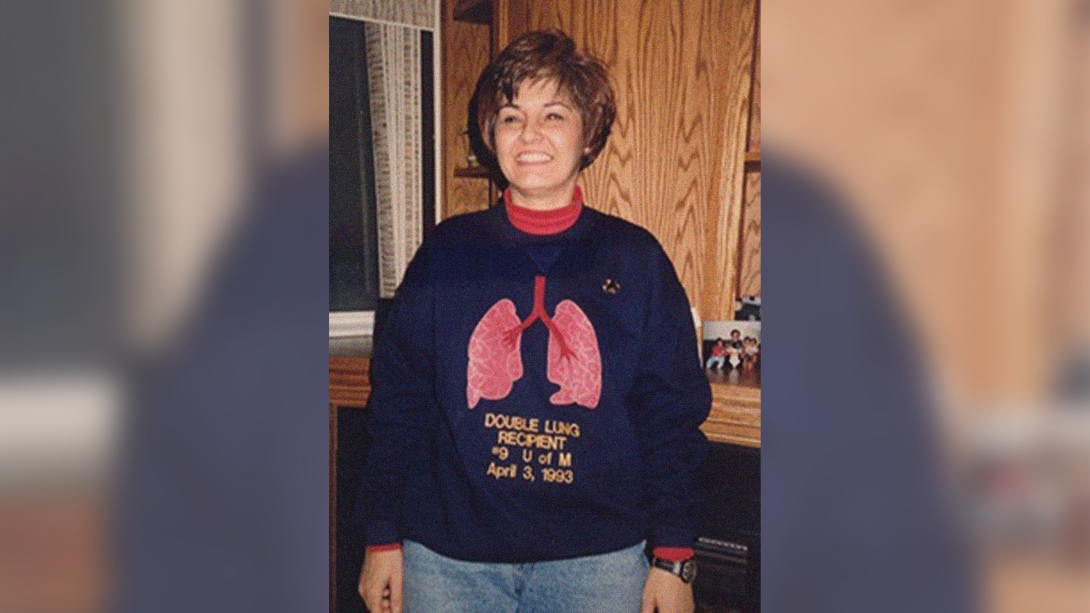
<point x="673" y="554"/>
<point x="386" y="547"/>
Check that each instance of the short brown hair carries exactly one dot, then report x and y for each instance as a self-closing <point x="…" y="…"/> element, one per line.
<point x="543" y="54"/>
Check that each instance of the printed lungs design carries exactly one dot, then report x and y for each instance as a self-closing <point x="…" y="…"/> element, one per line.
<point x="495" y="357"/>
<point x="574" y="362"/>
<point x="495" y="360"/>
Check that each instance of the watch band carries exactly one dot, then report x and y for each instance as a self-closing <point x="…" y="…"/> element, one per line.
<point x="684" y="569"/>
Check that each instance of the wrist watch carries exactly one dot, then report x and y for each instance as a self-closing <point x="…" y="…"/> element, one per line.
<point x="685" y="569"/>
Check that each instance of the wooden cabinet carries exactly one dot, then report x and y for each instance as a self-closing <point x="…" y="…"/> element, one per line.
<point x="349" y="387"/>
<point x="349" y="381"/>
<point x="735" y="417"/>
<point x="466" y="47"/>
<point x="473" y="32"/>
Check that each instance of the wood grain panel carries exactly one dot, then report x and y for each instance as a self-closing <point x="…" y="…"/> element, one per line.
<point x="349" y="381"/>
<point x="607" y="185"/>
<point x="476" y="11"/>
<point x="735" y="415"/>
<point x="749" y="260"/>
<point x="674" y="163"/>
<point x="721" y="287"/>
<point x="556" y="14"/>
<point x="510" y="18"/>
<point x="755" y="98"/>
<point x="465" y="54"/>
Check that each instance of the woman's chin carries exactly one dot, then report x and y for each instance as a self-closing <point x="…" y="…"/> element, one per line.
<point x="538" y="187"/>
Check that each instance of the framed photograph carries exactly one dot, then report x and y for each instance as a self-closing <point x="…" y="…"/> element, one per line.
<point x="732" y="347"/>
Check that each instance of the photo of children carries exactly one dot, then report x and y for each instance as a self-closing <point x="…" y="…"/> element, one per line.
<point x="732" y="349"/>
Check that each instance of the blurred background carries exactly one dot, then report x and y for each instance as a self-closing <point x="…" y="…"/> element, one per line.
<point x="132" y="135"/>
<point x="958" y="134"/>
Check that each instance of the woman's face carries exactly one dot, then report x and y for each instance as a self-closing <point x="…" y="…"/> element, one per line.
<point x="539" y="141"/>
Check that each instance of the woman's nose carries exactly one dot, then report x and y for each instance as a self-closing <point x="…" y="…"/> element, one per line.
<point x="530" y="130"/>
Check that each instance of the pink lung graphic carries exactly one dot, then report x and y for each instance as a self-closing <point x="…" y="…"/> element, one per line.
<point x="574" y="362"/>
<point x="495" y="360"/>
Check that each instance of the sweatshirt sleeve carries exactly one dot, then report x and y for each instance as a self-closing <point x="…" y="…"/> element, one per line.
<point x="402" y="369"/>
<point x="672" y="398"/>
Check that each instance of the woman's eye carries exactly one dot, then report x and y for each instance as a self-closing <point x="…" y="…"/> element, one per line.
<point x="554" y="116"/>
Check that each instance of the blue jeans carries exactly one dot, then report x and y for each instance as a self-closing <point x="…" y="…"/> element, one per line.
<point x="607" y="583"/>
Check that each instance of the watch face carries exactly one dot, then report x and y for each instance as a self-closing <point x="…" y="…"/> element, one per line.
<point x="688" y="570"/>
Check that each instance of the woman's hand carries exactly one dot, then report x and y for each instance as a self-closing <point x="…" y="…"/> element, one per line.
<point x="666" y="593"/>
<point x="380" y="581"/>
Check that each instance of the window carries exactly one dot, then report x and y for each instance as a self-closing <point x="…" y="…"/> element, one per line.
<point x="382" y="163"/>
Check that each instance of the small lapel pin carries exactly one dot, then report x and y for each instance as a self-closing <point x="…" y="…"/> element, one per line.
<point x="611" y="287"/>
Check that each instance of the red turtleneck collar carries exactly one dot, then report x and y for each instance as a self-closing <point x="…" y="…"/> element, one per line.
<point x="543" y="223"/>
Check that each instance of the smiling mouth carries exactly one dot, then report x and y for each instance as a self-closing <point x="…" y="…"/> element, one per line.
<point x="533" y="158"/>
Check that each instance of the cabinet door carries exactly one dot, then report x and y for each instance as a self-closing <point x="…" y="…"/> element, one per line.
<point x="510" y="18"/>
<point x="347" y="553"/>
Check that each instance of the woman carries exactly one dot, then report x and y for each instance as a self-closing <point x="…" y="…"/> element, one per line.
<point x="489" y="488"/>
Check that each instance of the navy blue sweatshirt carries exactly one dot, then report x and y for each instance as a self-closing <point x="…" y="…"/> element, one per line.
<point x="488" y="444"/>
